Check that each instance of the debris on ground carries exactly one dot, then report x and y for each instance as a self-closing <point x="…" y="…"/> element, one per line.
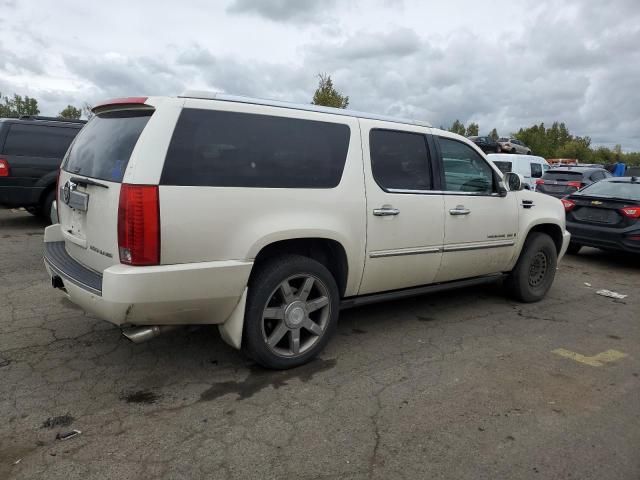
<point x="17" y="461"/>
<point x="68" y="435"/>
<point x="59" y="421"/>
<point x="587" y="284"/>
<point x="611" y="294"/>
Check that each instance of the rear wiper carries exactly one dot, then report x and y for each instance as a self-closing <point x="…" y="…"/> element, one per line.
<point x="87" y="181"/>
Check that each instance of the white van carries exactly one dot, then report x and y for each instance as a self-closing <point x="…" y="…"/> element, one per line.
<point x="267" y="218"/>
<point x="530" y="167"/>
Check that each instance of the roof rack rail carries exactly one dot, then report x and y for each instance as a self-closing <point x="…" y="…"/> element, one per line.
<point x="202" y="95"/>
<point x="51" y="119"/>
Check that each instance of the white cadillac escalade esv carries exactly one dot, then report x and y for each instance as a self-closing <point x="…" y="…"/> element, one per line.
<point x="266" y="218"/>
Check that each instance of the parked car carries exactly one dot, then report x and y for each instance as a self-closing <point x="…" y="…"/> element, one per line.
<point x="606" y="215"/>
<point x="486" y="144"/>
<point x="513" y="145"/>
<point x="266" y="218"/>
<point x="562" y="181"/>
<point x="31" y="149"/>
<point x="531" y="167"/>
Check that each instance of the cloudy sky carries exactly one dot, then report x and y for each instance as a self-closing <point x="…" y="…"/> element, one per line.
<point x="503" y="64"/>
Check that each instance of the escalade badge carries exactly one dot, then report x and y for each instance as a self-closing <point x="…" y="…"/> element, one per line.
<point x="66" y="191"/>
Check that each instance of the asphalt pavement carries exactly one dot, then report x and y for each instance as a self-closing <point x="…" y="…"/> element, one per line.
<point x="462" y="385"/>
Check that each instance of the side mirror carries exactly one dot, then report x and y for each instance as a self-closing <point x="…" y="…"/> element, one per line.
<point x="514" y="181"/>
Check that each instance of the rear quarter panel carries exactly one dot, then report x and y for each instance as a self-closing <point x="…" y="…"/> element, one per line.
<point x="232" y="223"/>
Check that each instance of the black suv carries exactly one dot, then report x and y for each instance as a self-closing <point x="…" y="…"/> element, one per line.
<point x="486" y="144"/>
<point x="562" y="181"/>
<point x="31" y="150"/>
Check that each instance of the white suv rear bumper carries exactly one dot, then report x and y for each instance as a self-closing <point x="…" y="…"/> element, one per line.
<point x="190" y="293"/>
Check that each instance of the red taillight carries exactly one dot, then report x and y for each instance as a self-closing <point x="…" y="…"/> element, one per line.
<point x="540" y="182"/>
<point x="577" y="185"/>
<point x="139" y="225"/>
<point x="4" y="168"/>
<point x="631" y="212"/>
<point x="568" y="204"/>
<point x="635" y="238"/>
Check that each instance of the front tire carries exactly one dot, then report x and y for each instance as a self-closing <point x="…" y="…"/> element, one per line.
<point x="535" y="270"/>
<point x="292" y="312"/>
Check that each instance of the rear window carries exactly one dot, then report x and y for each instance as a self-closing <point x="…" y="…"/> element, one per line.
<point x="505" y="167"/>
<point x="536" y="170"/>
<point x="103" y="147"/>
<point x="563" y="176"/>
<point x="624" y="190"/>
<point x="231" y="149"/>
<point x="38" y="140"/>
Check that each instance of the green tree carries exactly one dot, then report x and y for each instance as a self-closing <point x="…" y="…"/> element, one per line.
<point x="16" y="106"/>
<point x="327" y="95"/>
<point x="577" y="148"/>
<point x="494" y="135"/>
<point x="472" y="129"/>
<point x="70" y="112"/>
<point x="458" y="127"/>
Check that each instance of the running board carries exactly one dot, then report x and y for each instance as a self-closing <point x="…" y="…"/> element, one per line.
<point x="351" y="302"/>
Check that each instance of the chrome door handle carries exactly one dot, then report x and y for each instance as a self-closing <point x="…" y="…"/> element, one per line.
<point x="459" y="210"/>
<point x="385" y="211"/>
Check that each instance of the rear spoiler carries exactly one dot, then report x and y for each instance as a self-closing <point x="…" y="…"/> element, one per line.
<point x="120" y="102"/>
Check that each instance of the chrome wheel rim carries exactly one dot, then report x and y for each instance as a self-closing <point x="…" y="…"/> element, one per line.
<point x="296" y="315"/>
<point x="538" y="269"/>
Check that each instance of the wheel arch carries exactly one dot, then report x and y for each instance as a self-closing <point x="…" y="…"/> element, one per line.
<point x="328" y="251"/>
<point x="552" y="229"/>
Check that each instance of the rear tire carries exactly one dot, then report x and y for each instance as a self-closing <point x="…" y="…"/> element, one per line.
<point x="573" y="248"/>
<point x="45" y="208"/>
<point x="292" y="312"/>
<point x="513" y="150"/>
<point x="535" y="270"/>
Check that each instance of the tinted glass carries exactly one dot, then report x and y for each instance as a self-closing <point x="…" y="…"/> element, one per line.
<point x="464" y="169"/>
<point x="536" y="170"/>
<point x="230" y="149"/>
<point x="624" y="190"/>
<point x="597" y="176"/>
<point x="103" y="147"/>
<point x="563" y="176"/>
<point x="399" y="160"/>
<point x="38" y="140"/>
<point x="504" y="167"/>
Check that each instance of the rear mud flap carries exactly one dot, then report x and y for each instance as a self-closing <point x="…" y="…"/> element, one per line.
<point x="231" y="329"/>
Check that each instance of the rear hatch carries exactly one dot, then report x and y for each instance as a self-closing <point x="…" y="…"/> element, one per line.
<point x="90" y="183"/>
<point x="560" y="183"/>
<point x="614" y="204"/>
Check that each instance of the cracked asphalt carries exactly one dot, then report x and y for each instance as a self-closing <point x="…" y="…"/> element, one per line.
<point x="462" y="385"/>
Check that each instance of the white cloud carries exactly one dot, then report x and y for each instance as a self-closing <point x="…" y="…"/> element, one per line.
<point x="574" y="61"/>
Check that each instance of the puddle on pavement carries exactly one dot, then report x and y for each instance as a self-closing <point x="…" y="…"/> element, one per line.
<point x="145" y="397"/>
<point x="260" y="378"/>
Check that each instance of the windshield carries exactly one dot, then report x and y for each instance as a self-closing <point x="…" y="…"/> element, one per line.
<point x="626" y="190"/>
<point x="103" y="147"/>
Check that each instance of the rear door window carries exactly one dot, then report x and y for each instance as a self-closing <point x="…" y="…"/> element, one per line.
<point x="103" y="147"/>
<point x="38" y="140"/>
<point x="400" y="160"/>
<point x="232" y="149"/>
<point x="536" y="170"/>
<point x="464" y="169"/>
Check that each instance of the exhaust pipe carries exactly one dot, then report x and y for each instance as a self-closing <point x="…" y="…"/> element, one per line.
<point x="143" y="334"/>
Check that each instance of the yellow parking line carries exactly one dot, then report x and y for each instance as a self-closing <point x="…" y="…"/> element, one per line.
<point x="594" y="361"/>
